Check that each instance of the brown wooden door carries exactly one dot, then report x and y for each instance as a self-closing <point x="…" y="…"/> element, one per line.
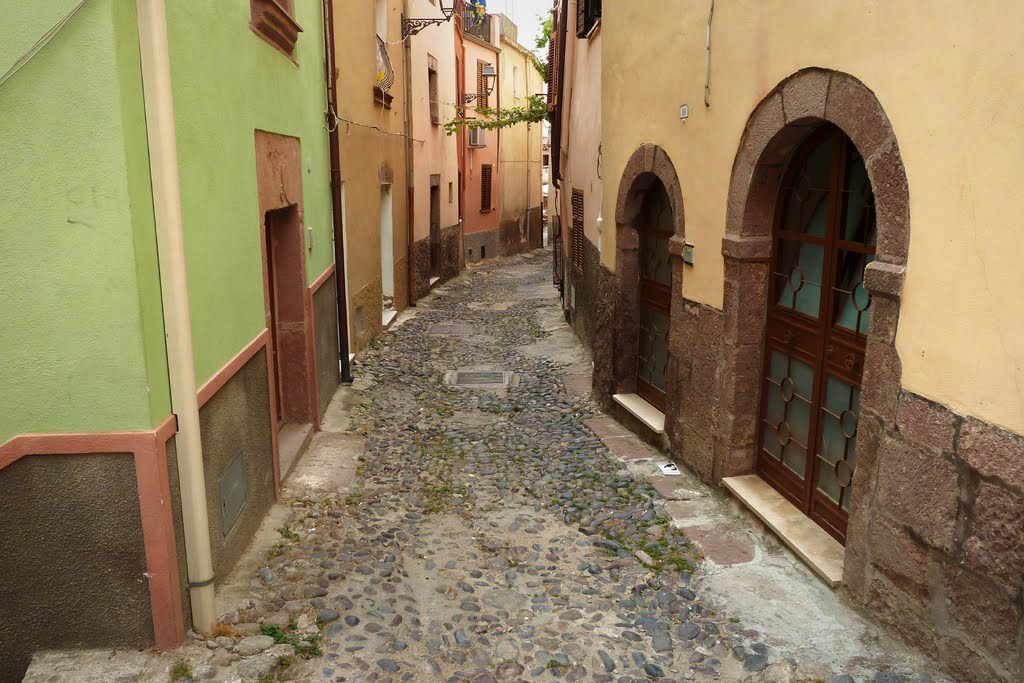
<point x="272" y="239"/>
<point x="654" y="297"/>
<point x="818" y="318"/>
<point x="435" y="231"/>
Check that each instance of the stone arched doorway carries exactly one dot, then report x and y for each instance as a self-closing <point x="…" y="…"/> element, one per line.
<point x="648" y="275"/>
<point x="800" y="107"/>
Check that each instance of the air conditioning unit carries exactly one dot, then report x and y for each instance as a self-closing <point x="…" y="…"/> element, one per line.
<point x="477" y="137"/>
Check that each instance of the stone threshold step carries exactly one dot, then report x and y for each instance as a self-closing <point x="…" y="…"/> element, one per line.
<point x="643" y="411"/>
<point x="812" y="544"/>
<point x="388" y="317"/>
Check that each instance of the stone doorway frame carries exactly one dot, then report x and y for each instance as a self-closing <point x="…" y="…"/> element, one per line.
<point x="648" y="163"/>
<point x="279" y="186"/>
<point x="775" y="129"/>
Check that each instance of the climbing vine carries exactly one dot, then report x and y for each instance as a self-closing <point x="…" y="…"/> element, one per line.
<point x="535" y="111"/>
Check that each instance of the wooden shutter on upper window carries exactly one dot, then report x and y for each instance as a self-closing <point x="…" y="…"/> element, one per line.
<point x="576" y="234"/>
<point x="587" y="14"/>
<point x="551" y="70"/>
<point x="485" y="187"/>
<point x="481" y="85"/>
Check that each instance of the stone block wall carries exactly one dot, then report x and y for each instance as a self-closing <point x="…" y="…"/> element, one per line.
<point x="942" y="557"/>
<point x="481" y="245"/>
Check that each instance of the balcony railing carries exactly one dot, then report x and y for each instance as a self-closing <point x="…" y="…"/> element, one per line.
<point x="385" y="72"/>
<point x="476" y="23"/>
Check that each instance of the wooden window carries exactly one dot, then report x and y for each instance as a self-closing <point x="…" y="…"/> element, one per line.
<point x="272" y="20"/>
<point x="554" y="47"/>
<point x="576" y="233"/>
<point x="485" y="188"/>
<point x="588" y="13"/>
<point x="435" y="104"/>
<point x="481" y="85"/>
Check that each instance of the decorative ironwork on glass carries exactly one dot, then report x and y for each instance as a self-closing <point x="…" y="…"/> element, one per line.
<point x="837" y="448"/>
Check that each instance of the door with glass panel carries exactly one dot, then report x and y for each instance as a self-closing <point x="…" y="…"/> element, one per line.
<point x="818" y="318"/>
<point x="655" y="295"/>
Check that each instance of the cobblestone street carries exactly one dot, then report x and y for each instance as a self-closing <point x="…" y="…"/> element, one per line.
<point x="493" y="535"/>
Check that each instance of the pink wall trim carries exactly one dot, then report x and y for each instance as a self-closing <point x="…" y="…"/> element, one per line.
<point x="224" y="375"/>
<point x="149" y="450"/>
<point x="322" y="280"/>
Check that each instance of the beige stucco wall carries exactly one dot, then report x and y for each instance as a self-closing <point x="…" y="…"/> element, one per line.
<point x="948" y="79"/>
<point x="364" y="149"/>
<point x="581" y="129"/>
<point x="433" y="151"/>
<point x="477" y="157"/>
<point x="520" y="144"/>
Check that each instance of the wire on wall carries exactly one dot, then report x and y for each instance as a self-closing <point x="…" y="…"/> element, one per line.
<point x="41" y="43"/>
<point x="707" y="59"/>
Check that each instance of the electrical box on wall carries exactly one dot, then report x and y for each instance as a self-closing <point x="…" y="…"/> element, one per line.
<point x="684" y="111"/>
<point x="688" y="254"/>
<point x="309" y="237"/>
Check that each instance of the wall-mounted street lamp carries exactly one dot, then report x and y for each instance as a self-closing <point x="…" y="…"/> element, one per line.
<point x="411" y="27"/>
<point x="490" y="75"/>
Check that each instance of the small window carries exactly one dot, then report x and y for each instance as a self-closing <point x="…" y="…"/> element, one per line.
<point x="485" y="188"/>
<point x="435" y="105"/>
<point x="272" y="20"/>
<point x="451" y="193"/>
<point x="481" y="85"/>
<point x="576" y="232"/>
<point x="588" y="13"/>
<point x="515" y="81"/>
<point x="381" y="15"/>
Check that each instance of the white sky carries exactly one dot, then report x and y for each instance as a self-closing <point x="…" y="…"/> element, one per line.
<point x="524" y="14"/>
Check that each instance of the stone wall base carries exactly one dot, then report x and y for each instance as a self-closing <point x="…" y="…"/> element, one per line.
<point x="482" y="245"/>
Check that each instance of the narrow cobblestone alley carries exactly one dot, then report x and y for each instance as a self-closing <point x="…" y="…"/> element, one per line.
<point x="491" y="535"/>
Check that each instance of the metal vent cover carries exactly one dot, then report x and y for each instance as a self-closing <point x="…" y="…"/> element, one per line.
<point x="481" y="379"/>
<point x="440" y="329"/>
<point x="233" y="492"/>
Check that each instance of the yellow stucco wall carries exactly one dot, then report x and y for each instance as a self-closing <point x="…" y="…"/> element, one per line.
<point x="948" y="76"/>
<point x="520" y="144"/>
<point x="364" y="149"/>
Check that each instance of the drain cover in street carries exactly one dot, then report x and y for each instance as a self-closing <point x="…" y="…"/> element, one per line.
<point x="480" y="379"/>
<point x="439" y="329"/>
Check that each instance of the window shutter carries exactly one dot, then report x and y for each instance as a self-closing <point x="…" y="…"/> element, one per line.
<point x="576" y="234"/>
<point x="485" y="187"/>
<point x="435" y="104"/>
<point x="554" y="75"/>
<point x="481" y="85"/>
<point x="552" y="69"/>
<point x="587" y="14"/>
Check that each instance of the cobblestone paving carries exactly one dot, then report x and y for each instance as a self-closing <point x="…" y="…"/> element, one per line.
<point x="490" y="535"/>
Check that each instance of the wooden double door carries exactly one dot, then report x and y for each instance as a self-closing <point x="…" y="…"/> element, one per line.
<point x="654" y="296"/>
<point x="817" y="323"/>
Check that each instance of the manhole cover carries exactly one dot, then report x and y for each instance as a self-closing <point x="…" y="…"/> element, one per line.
<point x="481" y="379"/>
<point x="465" y="379"/>
<point x="439" y="329"/>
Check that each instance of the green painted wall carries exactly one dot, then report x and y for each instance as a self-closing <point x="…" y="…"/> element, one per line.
<point x="228" y="82"/>
<point x="77" y="228"/>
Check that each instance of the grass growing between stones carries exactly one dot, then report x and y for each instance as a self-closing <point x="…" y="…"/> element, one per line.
<point x="180" y="671"/>
<point x="305" y="646"/>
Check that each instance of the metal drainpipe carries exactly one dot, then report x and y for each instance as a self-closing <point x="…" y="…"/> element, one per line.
<point x="527" y="172"/>
<point x="163" y="161"/>
<point x="410" y="180"/>
<point x="331" y="71"/>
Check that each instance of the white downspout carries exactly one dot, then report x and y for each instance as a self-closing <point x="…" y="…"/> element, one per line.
<point x="163" y="162"/>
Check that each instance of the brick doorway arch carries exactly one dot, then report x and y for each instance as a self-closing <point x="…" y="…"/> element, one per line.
<point x="648" y="170"/>
<point x="797" y="107"/>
